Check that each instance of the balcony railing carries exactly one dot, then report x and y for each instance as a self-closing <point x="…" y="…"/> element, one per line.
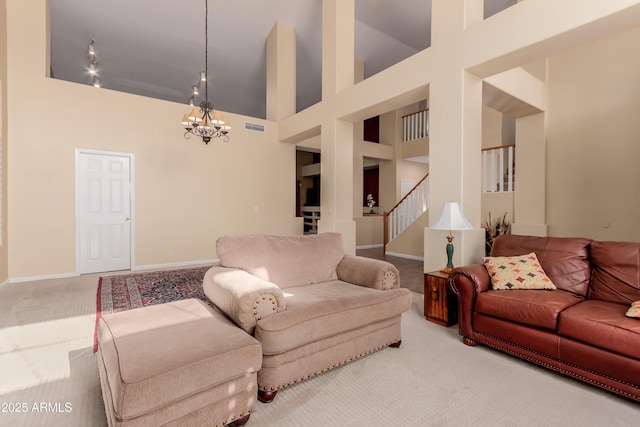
<point x="415" y="125"/>
<point x="498" y="169"/>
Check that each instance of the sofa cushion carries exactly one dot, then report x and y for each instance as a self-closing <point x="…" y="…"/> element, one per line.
<point x="565" y="260"/>
<point x="602" y="324"/>
<point x="538" y="308"/>
<point x="517" y="272"/>
<point x="325" y="309"/>
<point x="284" y="260"/>
<point x="616" y="272"/>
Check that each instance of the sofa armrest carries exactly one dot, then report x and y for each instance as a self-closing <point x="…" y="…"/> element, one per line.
<point x="242" y="296"/>
<point x="372" y="273"/>
<point x="467" y="282"/>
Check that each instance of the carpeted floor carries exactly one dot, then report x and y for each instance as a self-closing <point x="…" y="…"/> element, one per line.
<point x="47" y="364"/>
<point x="411" y="270"/>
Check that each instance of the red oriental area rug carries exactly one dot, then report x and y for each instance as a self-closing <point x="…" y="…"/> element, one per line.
<point x="126" y="292"/>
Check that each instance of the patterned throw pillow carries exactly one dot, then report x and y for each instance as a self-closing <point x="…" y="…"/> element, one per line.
<point x="517" y="272"/>
<point x="634" y="310"/>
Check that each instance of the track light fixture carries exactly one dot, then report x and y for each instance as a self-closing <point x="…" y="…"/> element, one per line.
<point x="93" y="62"/>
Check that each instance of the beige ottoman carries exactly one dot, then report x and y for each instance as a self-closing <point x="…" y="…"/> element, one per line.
<point x="180" y="363"/>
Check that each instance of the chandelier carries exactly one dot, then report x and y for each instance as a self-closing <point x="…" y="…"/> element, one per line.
<point x="204" y="122"/>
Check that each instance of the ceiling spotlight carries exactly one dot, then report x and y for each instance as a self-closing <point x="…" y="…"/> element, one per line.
<point x="96" y="82"/>
<point x="203" y="76"/>
<point x="92" y="48"/>
<point x="92" y="68"/>
<point x="195" y="90"/>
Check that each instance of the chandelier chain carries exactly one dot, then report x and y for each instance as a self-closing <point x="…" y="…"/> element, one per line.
<point x="206" y="49"/>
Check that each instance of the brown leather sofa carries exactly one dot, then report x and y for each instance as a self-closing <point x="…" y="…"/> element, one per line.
<point x="579" y="329"/>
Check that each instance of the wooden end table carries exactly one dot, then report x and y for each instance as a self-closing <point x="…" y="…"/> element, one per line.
<point x="440" y="304"/>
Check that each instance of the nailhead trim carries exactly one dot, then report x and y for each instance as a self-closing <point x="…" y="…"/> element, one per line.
<point x="554" y="368"/>
<point x="310" y="375"/>
<point x="234" y="417"/>
<point x="274" y="304"/>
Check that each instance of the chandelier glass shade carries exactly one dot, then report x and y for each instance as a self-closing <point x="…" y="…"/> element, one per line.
<point x="205" y="122"/>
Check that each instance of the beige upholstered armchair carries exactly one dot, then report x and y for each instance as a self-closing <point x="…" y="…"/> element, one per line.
<point x="312" y="307"/>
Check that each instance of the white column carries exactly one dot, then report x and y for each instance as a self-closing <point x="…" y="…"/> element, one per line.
<point x="456" y="135"/>
<point x="530" y="195"/>
<point x="336" y="137"/>
<point x="281" y="72"/>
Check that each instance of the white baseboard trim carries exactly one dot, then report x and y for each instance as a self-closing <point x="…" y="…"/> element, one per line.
<point x="136" y="268"/>
<point x="413" y="257"/>
<point x="43" y="277"/>
<point x="370" y="246"/>
<point x="176" y="264"/>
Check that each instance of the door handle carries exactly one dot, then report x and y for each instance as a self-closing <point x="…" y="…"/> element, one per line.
<point x="127" y="220"/>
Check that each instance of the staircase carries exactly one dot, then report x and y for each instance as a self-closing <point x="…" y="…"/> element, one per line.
<point x="406" y="211"/>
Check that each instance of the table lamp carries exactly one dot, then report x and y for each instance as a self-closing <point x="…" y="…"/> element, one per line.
<point x="451" y="219"/>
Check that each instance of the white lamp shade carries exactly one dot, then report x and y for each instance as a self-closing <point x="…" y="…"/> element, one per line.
<point x="451" y="218"/>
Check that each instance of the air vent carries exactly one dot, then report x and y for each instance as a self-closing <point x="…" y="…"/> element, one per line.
<point x="254" y="127"/>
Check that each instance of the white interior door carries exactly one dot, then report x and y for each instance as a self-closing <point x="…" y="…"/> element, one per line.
<point x="104" y="212"/>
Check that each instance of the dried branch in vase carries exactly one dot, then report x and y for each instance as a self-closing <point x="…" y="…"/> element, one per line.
<point x="493" y="231"/>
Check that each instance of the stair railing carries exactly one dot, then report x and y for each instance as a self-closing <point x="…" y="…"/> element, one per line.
<point x="498" y="169"/>
<point x="407" y="210"/>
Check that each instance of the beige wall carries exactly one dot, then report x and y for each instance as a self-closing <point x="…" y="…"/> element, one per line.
<point x="388" y="168"/>
<point x="593" y="150"/>
<point x="530" y="200"/>
<point x="187" y="194"/>
<point x="408" y="170"/>
<point x="491" y="127"/>
<point x="4" y="253"/>
<point x="411" y="241"/>
<point x="496" y="205"/>
<point x="369" y="230"/>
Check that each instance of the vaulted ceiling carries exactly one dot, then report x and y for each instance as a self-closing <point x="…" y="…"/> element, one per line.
<point x="155" y="48"/>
